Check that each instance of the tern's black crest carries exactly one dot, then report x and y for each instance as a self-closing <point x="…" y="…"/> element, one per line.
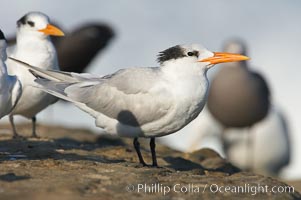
<point x="22" y="21"/>
<point x="171" y="53"/>
<point x="2" y="37"/>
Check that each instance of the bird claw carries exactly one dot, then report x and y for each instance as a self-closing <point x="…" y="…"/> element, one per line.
<point x="148" y="166"/>
<point x="35" y="136"/>
<point x="17" y="137"/>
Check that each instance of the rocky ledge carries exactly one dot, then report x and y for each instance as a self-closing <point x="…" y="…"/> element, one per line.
<point x="76" y="164"/>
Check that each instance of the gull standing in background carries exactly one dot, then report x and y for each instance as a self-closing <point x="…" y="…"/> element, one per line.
<point x="238" y="96"/>
<point x="141" y="102"/>
<point x="10" y="86"/>
<point x="35" y="47"/>
<point x="271" y="149"/>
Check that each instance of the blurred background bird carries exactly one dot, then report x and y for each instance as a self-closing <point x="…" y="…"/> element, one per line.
<point x="240" y="98"/>
<point x="33" y="46"/>
<point x="270" y="151"/>
<point x="79" y="47"/>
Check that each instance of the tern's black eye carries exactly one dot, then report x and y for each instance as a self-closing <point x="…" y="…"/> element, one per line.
<point x="30" y="23"/>
<point x="190" y="53"/>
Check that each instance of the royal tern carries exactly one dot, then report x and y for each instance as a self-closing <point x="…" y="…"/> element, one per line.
<point x="141" y="102"/>
<point x="264" y="156"/>
<point x="10" y="86"/>
<point x="35" y="47"/>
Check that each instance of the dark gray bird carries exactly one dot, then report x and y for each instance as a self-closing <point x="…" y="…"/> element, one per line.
<point x="77" y="49"/>
<point x="238" y="97"/>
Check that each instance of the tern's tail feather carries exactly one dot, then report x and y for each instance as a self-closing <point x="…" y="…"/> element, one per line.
<point x="58" y="89"/>
<point x="56" y="83"/>
<point x="55" y="75"/>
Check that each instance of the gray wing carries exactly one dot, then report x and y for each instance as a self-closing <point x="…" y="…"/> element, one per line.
<point x="130" y="95"/>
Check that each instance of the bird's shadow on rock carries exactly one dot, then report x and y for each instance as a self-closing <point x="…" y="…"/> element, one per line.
<point x="181" y="164"/>
<point x="11" y="177"/>
<point x="58" y="149"/>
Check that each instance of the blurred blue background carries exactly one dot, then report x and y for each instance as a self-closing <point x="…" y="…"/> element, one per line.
<point x="271" y="29"/>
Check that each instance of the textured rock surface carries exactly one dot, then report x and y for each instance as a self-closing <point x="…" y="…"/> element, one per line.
<point x="75" y="164"/>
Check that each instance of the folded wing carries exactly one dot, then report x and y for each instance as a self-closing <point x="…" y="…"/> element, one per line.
<point x="131" y="95"/>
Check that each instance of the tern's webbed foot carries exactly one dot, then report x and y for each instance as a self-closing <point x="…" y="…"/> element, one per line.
<point x="18" y="137"/>
<point x="34" y="135"/>
<point x="140" y="165"/>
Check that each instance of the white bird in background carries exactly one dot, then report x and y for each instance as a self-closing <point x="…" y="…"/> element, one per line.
<point x="203" y="132"/>
<point x="10" y="86"/>
<point x="271" y="149"/>
<point x="142" y="102"/>
<point x="239" y="97"/>
<point x="35" y="47"/>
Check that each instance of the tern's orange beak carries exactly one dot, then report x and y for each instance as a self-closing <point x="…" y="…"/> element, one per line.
<point x="52" y="30"/>
<point x="222" y="57"/>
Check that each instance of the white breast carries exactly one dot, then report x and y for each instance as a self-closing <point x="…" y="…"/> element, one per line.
<point x="40" y="53"/>
<point x="189" y="100"/>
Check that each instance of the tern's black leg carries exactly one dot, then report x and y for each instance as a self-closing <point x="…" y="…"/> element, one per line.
<point x="137" y="148"/>
<point x="34" y="134"/>
<point x="152" y="145"/>
<point x="11" y="119"/>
